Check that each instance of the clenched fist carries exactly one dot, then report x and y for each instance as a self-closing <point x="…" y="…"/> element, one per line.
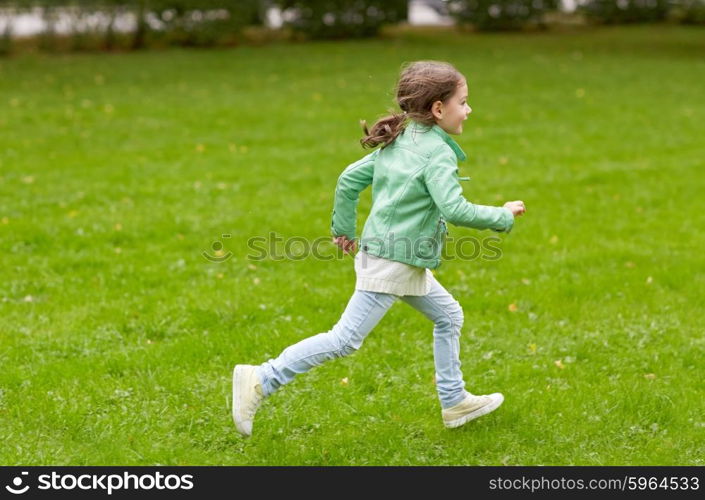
<point x="517" y="207"/>
<point x="348" y="246"/>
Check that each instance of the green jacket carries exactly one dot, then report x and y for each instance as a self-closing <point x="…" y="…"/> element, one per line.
<point x="415" y="189"/>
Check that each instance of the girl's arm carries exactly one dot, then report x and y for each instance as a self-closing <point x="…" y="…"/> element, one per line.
<point x="352" y="181"/>
<point x="441" y="177"/>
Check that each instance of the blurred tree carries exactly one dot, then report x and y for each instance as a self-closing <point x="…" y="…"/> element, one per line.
<point x="626" y="11"/>
<point x="341" y="18"/>
<point x="193" y="22"/>
<point x="493" y="15"/>
<point x="92" y="23"/>
<point x="8" y="10"/>
<point x="50" y="17"/>
<point x="688" y="11"/>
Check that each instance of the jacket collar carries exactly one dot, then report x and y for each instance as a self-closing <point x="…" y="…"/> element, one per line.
<point x="443" y="135"/>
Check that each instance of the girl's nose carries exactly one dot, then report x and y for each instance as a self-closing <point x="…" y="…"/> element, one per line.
<point x="469" y="110"/>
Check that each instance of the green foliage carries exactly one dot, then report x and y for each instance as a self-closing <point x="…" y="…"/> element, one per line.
<point x="688" y="11"/>
<point x="197" y="22"/>
<point x="162" y="22"/>
<point x="626" y="11"/>
<point x="6" y="40"/>
<point x="492" y="15"/>
<point x="342" y="18"/>
<point x="638" y="11"/>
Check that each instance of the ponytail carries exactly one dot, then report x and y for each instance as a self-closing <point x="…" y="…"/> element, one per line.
<point x="384" y="131"/>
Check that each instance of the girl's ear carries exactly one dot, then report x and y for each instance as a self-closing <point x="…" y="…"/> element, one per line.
<point x="437" y="110"/>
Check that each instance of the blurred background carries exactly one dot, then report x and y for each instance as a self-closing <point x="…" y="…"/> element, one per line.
<point x="136" y="24"/>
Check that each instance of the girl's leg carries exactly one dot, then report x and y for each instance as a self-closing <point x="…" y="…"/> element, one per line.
<point x="440" y="307"/>
<point x="363" y="312"/>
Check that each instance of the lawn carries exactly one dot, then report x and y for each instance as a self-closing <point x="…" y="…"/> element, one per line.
<point x="118" y="337"/>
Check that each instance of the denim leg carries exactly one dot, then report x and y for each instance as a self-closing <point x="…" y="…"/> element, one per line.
<point x="363" y="312"/>
<point x="440" y="307"/>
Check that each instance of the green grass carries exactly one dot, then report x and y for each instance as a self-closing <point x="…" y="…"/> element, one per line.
<point x="117" y="338"/>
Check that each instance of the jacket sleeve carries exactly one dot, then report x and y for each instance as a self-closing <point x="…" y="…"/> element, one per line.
<point x="441" y="177"/>
<point x="354" y="179"/>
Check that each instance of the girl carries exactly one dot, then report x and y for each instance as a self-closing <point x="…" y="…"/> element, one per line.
<point x="415" y="189"/>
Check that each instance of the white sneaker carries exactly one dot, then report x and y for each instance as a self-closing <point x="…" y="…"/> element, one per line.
<point x="470" y="408"/>
<point x="247" y="396"/>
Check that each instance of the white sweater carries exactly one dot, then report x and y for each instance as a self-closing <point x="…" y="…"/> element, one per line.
<point x="376" y="274"/>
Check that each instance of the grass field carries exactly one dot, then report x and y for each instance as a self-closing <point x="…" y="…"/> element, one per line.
<point x="118" y="338"/>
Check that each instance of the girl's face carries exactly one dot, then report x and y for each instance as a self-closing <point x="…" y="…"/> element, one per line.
<point x="451" y="114"/>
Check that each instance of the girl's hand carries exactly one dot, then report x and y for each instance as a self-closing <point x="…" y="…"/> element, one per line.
<point x="517" y="207"/>
<point x="348" y="246"/>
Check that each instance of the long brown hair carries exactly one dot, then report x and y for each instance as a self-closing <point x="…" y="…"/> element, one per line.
<point x="421" y="83"/>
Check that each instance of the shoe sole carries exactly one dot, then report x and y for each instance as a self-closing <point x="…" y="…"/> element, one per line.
<point x="484" y="410"/>
<point x="237" y="373"/>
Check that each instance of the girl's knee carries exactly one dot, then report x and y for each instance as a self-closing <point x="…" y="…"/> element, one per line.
<point x="343" y="341"/>
<point x="452" y="318"/>
<point x="347" y="350"/>
<point x="457" y="317"/>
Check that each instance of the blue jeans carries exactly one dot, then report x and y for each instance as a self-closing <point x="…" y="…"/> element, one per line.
<point x="363" y="312"/>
